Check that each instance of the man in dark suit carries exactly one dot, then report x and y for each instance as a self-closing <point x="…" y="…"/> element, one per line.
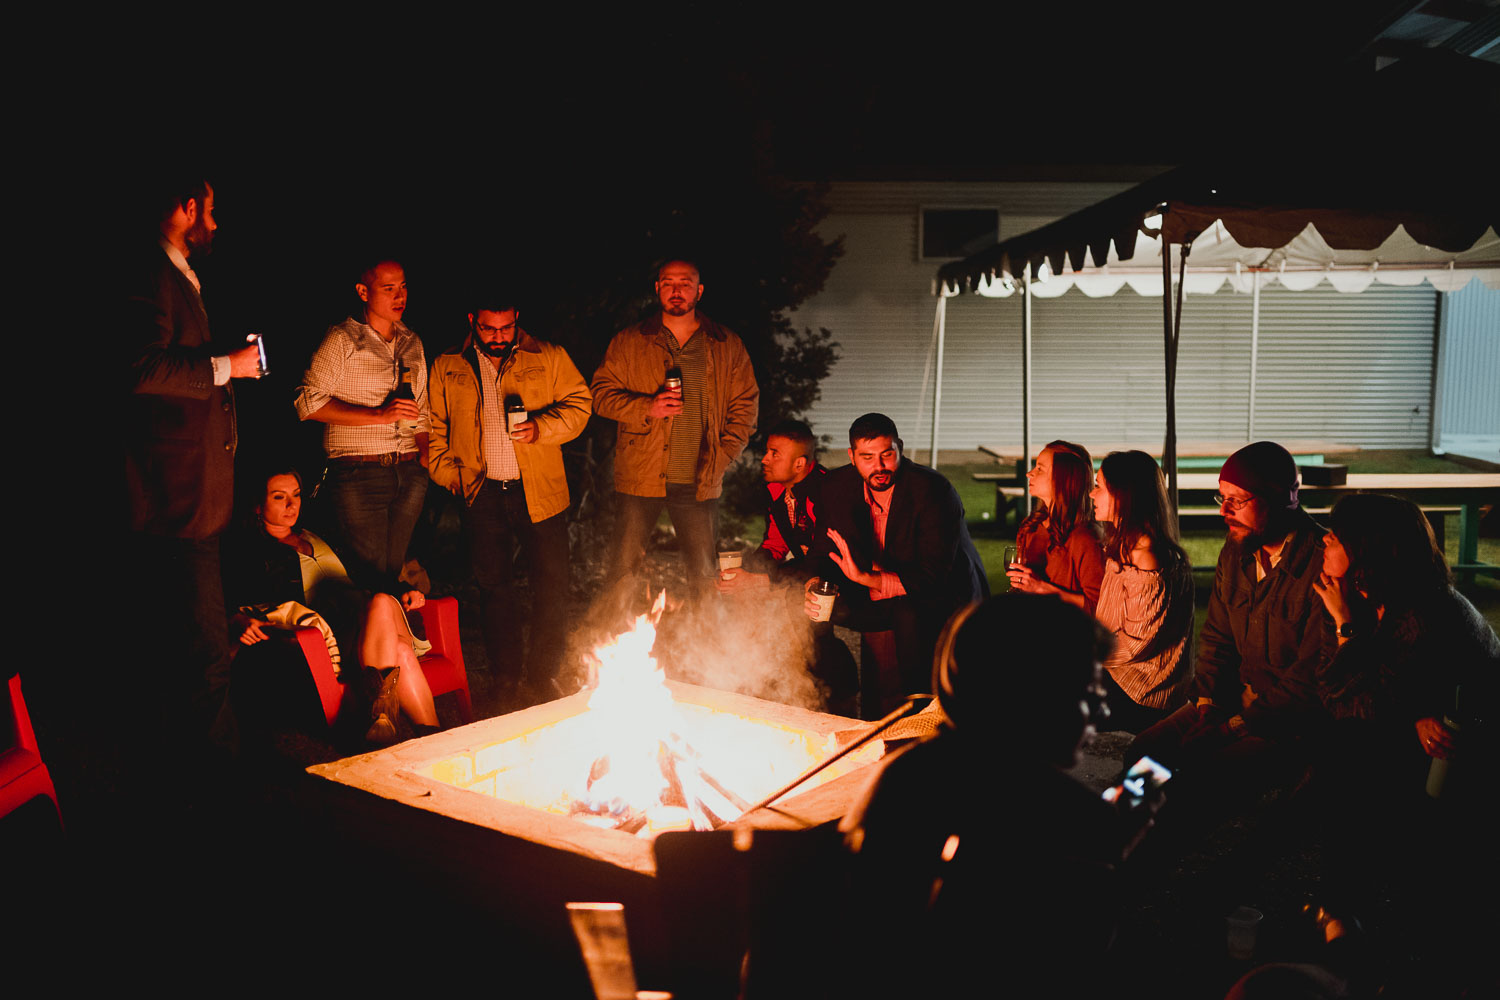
<point x="179" y="438"/>
<point x="898" y="548"/>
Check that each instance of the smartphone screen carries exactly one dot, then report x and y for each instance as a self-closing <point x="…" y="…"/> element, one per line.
<point x="1144" y="775"/>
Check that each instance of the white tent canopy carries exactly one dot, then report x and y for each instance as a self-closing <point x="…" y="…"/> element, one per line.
<point x="1216" y="259"/>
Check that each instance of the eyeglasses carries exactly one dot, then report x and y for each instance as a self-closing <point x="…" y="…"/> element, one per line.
<point x="1231" y="504"/>
<point x="486" y="330"/>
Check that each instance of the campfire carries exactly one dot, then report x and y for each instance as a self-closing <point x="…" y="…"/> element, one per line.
<point x="629" y="757"/>
<point x="641" y="761"/>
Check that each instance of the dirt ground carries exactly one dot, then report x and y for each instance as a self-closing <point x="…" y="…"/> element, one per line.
<point x="208" y="868"/>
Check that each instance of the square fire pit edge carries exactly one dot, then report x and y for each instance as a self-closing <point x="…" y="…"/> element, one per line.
<point x="406" y="773"/>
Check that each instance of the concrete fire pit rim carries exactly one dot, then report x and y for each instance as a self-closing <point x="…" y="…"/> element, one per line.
<point x="393" y="773"/>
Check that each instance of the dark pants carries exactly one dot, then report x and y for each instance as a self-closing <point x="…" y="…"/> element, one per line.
<point x="1126" y="715"/>
<point x="495" y="523"/>
<point x="376" y="507"/>
<point x="895" y="652"/>
<point x="1216" y="776"/>
<point x="697" y="525"/>
<point x="183" y="596"/>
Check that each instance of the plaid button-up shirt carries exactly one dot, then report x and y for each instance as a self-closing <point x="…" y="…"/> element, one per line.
<point x="355" y="365"/>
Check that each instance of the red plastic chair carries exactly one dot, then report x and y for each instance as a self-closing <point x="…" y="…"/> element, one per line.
<point x="443" y="666"/>
<point x="23" y="776"/>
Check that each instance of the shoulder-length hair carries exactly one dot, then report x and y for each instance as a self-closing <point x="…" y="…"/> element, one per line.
<point x="1138" y="492"/>
<point x="1072" y="477"/>
<point x="1394" y="558"/>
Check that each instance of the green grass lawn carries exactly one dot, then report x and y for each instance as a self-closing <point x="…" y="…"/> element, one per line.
<point x="1202" y="544"/>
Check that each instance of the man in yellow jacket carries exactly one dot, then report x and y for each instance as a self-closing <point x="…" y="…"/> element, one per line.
<point x="502" y="406"/>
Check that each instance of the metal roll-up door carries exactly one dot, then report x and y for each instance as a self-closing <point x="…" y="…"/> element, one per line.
<point x="1353" y="368"/>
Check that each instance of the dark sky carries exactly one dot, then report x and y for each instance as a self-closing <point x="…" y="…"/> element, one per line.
<point x="519" y="143"/>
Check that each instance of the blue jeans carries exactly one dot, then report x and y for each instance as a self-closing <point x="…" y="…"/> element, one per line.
<point x="697" y="525"/>
<point x="376" y="507"/>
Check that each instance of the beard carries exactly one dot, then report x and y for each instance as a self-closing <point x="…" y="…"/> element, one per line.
<point x="678" y="307"/>
<point x="200" y="238"/>
<point x="499" y="350"/>
<point x="879" y="482"/>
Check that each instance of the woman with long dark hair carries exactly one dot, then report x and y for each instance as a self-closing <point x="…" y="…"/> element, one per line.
<point x="275" y="562"/>
<point x="1057" y="546"/>
<point x="1146" y="596"/>
<point x="1411" y="649"/>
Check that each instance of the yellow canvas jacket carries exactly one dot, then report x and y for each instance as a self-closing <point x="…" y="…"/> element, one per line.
<point x="555" y="395"/>
<point x="633" y="371"/>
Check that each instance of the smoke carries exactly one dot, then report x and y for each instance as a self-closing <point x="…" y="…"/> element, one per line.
<point x="757" y="643"/>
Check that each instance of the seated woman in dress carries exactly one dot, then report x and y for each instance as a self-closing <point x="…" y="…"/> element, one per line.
<point x="1146" y="597"/>
<point x="1411" y="649"/>
<point x="276" y="562"/>
<point x="1057" y="547"/>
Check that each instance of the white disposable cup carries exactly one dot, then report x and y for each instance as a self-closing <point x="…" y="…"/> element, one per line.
<point x="729" y="560"/>
<point x="512" y="418"/>
<point x="1242" y="924"/>
<point x="825" y="606"/>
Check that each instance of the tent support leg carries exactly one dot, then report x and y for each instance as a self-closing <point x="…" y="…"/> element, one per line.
<point x="1254" y="351"/>
<point x="1025" y="395"/>
<point x="937" y="381"/>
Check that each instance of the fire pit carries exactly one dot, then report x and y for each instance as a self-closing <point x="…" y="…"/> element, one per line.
<point x="509" y="774"/>
<point x="600" y="773"/>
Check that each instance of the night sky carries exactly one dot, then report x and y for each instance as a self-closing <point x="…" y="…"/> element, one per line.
<point x="537" y="149"/>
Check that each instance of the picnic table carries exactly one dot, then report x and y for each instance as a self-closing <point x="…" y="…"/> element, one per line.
<point x="1464" y="492"/>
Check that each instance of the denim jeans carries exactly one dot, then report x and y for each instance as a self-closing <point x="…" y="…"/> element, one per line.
<point x="697" y="525"/>
<point x="494" y="523"/>
<point x="376" y="507"/>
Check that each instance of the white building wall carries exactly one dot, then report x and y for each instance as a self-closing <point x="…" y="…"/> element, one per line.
<point x="1355" y="369"/>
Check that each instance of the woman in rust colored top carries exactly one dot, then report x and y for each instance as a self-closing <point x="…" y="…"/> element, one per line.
<point x="1057" y="547"/>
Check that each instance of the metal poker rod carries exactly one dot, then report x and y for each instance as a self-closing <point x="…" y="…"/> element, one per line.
<point x="901" y="712"/>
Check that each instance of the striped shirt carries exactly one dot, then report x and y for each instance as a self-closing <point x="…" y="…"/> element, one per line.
<point x="355" y="365"/>
<point x="1132" y="605"/>
<point x="688" y="426"/>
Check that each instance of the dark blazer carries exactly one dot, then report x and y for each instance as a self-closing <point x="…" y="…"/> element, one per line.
<point x="178" y="431"/>
<point x="927" y="544"/>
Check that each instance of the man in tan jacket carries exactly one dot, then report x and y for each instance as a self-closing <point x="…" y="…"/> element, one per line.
<point x="675" y="440"/>
<point x="507" y="467"/>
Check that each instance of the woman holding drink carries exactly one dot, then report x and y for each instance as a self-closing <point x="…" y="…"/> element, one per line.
<point x="1146" y="596"/>
<point x="1057" y="547"/>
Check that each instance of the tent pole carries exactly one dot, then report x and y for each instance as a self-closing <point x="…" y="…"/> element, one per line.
<point x="937" y="380"/>
<point x="1025" y="394"/>
<point x="1254" y="350"/>
<point x="1169" y="446"/>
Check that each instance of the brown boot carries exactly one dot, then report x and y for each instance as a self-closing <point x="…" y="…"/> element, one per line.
<point x="385" y="708"/>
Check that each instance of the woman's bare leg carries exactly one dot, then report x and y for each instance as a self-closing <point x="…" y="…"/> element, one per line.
<point x="386" y="644"/>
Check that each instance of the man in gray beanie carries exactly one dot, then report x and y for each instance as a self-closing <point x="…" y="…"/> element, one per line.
<point x="1254" y="699"/>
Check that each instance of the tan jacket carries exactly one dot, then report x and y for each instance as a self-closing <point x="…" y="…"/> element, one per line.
<point x="632" y="373"/>
<point x="555" y="396"/>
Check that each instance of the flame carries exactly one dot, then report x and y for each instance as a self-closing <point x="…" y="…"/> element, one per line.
<point x="640" y="762"/>
<point x="643" y="768"/>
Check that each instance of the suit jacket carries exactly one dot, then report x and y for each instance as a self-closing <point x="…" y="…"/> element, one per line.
<point x="927" y="545"/>
<point x="179" y="428"/>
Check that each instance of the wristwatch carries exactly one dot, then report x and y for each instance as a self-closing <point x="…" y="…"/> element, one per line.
<point x="1347" y="631"/>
